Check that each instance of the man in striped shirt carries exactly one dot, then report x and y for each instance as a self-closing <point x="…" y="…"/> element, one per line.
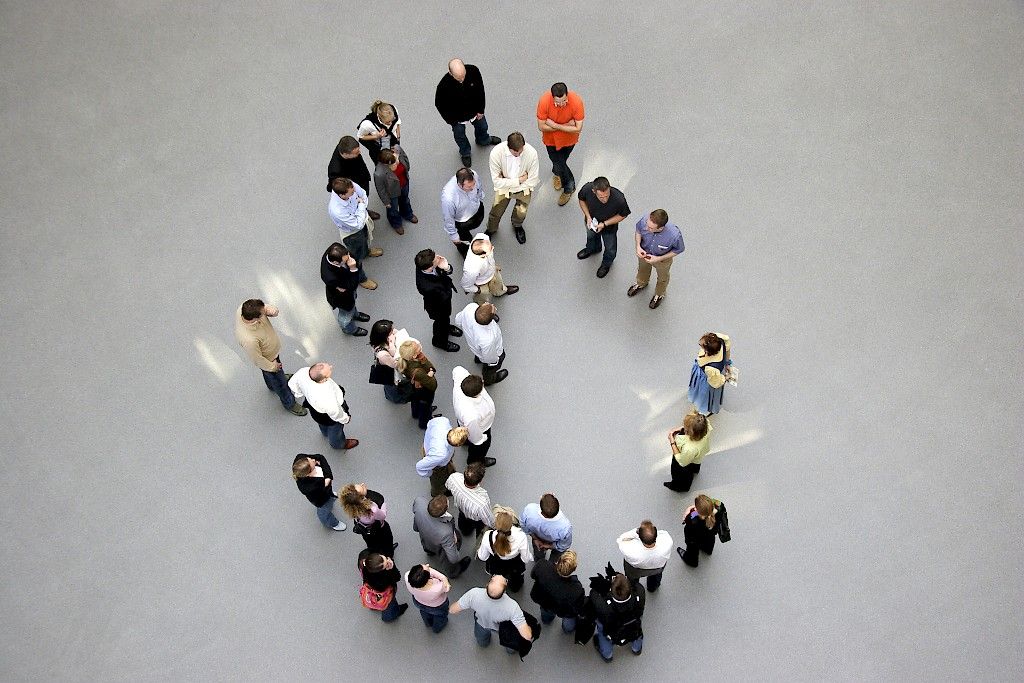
<point x="473" y="501"/>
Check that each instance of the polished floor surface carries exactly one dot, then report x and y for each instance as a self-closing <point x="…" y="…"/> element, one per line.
<point x="848" y="177"/>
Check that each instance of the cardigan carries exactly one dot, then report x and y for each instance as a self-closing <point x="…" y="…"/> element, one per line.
<point x="715" y="377"/>
<point x="385" y="180"/>
<point x="428" y="383"/>
<point x="691" y="451"/>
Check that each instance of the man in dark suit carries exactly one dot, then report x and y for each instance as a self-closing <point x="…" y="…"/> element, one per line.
<point x="434" y="282"/>
<point x="438" y="534"/>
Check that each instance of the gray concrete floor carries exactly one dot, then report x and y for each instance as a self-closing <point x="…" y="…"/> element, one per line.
<point x="848" y="177"/>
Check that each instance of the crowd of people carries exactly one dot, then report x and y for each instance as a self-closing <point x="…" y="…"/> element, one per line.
<point x="508" y="542"/>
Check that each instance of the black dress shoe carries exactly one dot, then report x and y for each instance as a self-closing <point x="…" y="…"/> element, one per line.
<point x="454" y="331"/>
<point x="360" y="332"/>
<point x="583" y="253"/>
<point x="475" y="360"/>
<point x="362" y="318"/>
<point x="451" y="347"/>
<point x="464" y="564"/>
<point x="488" y="462"/>
<point x="520" y="234"/>
<point x="510" y="290"/>
<point x="493" y="140"/>
<point x="498" y="376"/>
<point x="603" y="270"/>
<point x="467" y="162"/>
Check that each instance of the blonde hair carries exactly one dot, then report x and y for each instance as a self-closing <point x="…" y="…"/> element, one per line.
<point x="301" y="468"/>
<point x="695" y="425"/>
<point x="503" y="523"/>
<point x="565" y="565"/>
<point x="458" y="436"/>
<point x="406" y="352"/>
<point x="355" y="504"/>
<point x="380" y="107"/>
<point x="706" y="509"/>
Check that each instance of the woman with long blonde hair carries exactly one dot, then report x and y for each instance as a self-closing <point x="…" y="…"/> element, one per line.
<point x="418" y="369"/>
<point x="380" y="129"/>
<point x="506" y="548"/>
<point x="690" y="443"/>
<point x="369" y="513"/>
<point x="701" y="524"/>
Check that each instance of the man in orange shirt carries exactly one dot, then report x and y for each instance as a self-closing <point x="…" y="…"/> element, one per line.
<point x="560" y="119"/>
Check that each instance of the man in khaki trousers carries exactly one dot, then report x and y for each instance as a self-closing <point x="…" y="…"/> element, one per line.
<point x="515" y="173"/>
<point x="657" y="244"/>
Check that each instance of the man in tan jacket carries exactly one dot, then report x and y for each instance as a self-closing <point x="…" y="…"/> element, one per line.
<point x="515" y="173"/>
<point x="256" y="335"/>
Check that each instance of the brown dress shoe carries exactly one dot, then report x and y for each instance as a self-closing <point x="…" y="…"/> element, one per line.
<point x="557" y="182"/>
<point x="656" y="300"/>
<point x="368" y="284"/>
<point x="375" y="251"/>
<point x="351" y="443"/>
<point x="634" y="289"/>
<point x="564" y="198"/>
<point x="400" y="230"/>
<point x="373" y="214"/>
<point x="414" y="219"/>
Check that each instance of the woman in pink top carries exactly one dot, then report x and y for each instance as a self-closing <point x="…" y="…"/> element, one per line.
<point x="429" y="590"/>
<point x="369" y="513"/>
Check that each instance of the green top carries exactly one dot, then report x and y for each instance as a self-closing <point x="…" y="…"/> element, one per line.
<point x="691" y="451"/>
<point x="429" y="383"/>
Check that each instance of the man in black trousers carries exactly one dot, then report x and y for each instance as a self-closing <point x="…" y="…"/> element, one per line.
<point x="434" y="282"/>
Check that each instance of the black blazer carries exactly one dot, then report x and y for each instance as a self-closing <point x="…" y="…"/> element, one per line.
<point x="456" y="101"/>
<point x="437" y="291"/>
<point x="353" y="169"/>
<point x="313" y="487"/>
<point x="564" y="596"/>
<point x="334" y="277"/>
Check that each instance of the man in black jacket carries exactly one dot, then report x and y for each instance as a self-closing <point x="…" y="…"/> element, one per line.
<point x="557" y="590"/>
<point x="460" y="100"/>
<point x="341" y="274"/>
<point x="347" y="162"/>
<point x="434" y="282"/>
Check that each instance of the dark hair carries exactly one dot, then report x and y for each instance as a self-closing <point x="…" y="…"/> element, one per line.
<point x="516" y="141"/>
<point x="387" y="156"/>
<point x="647" y="532"/>
<point x="462" y="175"/>
<point x="559" y="90"/>
<point x="472" y="385"/>
<point x="341" y="185"/>
<point x="374" y="562"/>
<point x="418" y="576"/>
<point x="252" y="309"/>
<point x="474" y="473"/>
<point x="548" y="505"/>
<point x="711" y="343"/>
<point x="620" y="587"/>
<point x="379" y="333"/>
<point x="424" y="259"/>
<point x="660" y="217"/>
<point x="484" y="314"/>
<point x="348" y="144"/>
<point x="601" y="183"/>
<point x="437" y="506"/>
<point x="336" y="252"/>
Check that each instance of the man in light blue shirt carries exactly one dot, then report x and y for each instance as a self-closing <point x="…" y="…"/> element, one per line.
<point x="347" y="208"/>
<point x="439" y="444"/>
<point x="462" y="208"/>
<point x="550" y="529"/>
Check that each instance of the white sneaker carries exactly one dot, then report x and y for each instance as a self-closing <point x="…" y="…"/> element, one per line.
<point x="340" y="526"/>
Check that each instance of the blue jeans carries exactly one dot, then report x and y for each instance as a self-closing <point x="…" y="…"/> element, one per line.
<point x="358" y="243"/>
<point x="610" y="240"/>
<point x="479" y="130"/>
<point x="399" y="208"/>
<point x="325" y="513"/>
<point x="560" y="166"/>
<point x="335" y="434"/>
<point x="347" y="320"/>
<point x="277" y="383"/>
<point x="434" y="618"/>
<point x="604" y="644"/>
<point x="397" y="394"/>
<point x="483" y="635"/>
<point x="568" y="623"/>
<point x="390" y="612"/>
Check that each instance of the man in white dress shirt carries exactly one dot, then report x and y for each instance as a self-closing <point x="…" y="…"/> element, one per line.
<point x="475" y="411"/>
<point x="645" y="552"/>
<point x="325" y="401"/>
<point x="347" y="208"/>
<point x="481" y="276"/>
<point x="515" y="173"/>
<point x="479" y="323"/>
<point x="462" y="207"/>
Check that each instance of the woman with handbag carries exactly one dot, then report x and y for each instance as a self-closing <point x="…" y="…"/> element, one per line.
<point x="380" y="585"/>
<point x="418" y="369"/>
<point x="369" y="515"/>
<point x="690" y="443"/>
<point x="380" y="129"/>
<point x="506" y="549"/>
<point x="385" y="340"/>
<point x="702" y="522"/>
<point x="710" y="372"/>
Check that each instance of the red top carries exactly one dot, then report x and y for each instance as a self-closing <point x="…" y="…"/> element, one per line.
<point x="403" y="176"/>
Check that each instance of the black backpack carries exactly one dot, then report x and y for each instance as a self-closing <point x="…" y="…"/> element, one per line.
<point x="625" y="624"/>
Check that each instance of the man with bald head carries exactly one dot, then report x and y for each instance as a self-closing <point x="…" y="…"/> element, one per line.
<point x="325" y="401"/>
<point x="460" y="100"/>
<point x="491" y="606"/>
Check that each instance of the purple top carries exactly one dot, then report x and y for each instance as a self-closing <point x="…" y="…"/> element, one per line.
<point x="376" y="513"/>
<point x="660" y="243"/>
